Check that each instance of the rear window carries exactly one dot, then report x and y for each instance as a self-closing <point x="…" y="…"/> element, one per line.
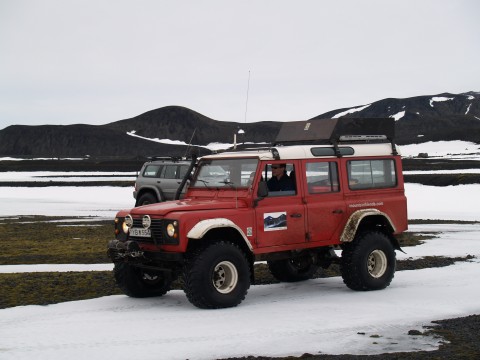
<point x="371" y="174"/>
<point x="151" y="170"/>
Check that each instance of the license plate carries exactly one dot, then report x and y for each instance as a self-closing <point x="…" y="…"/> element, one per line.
<point x="138" y="232"/>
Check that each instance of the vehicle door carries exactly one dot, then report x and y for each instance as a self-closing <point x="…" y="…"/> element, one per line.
<point x="170" y="180"/>
<point x="280" y="217"/>
<point x="326" y="209"/>
<point x="150" y="176"/>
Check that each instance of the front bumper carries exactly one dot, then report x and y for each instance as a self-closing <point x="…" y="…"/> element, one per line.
<point x="130" y="251"/>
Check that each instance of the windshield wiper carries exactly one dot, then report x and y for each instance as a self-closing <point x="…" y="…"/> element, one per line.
<point x="205" y="182"/>
<point x="227" y="182"/>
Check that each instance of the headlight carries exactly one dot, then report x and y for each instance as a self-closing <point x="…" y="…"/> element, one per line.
<point x="172" y="229"/>
<point x="125" y="227"/>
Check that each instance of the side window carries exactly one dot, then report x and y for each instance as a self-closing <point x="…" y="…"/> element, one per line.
<point x="322" y="177"/>
<point x="281" y="179"/>
<point x="371" y="174"/>
<point x="151" y="170"/>
<point x="169" y="172"/>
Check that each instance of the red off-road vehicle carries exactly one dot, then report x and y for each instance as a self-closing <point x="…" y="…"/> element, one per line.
<point x="345" y="191"/>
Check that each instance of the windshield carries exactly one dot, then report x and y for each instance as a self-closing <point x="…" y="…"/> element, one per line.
<point x="229" y="173"/>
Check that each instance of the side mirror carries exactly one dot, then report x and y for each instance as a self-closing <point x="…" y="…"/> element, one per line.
<point x="262" y="189"/>
<point x="262" y="192"/>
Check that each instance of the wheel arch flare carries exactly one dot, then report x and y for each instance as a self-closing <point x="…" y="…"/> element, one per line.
<point x="375" y="216"/>
<point x="202" y="228"/>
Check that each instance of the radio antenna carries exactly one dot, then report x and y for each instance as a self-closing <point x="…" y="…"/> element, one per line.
<point x="190" y="143"/>
<point x="246" y="103"/>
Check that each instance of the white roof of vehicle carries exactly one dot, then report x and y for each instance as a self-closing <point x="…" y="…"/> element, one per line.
<point x="305" y="152"/>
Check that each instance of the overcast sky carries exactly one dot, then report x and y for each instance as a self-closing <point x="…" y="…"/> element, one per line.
<point x="95" y="62"/>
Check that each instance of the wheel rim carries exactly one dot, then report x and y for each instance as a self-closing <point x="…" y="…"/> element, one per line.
<point x="377" y="263"/>
<point x="225" y="277"/>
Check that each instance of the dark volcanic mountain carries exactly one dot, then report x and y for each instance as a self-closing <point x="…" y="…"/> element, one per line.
<point x="179" y="123"/>
<point x="426" y="118"/>
<point x="76" y="141"/>
<point x="419" y="119"/>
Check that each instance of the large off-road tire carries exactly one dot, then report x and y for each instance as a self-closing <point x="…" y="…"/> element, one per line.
<point x="216" y="276"/>
<point x="368" y="263"/>
<point x="292" y="270"/>
<point x="146" y="199"/>
<point x="139" y="283"/>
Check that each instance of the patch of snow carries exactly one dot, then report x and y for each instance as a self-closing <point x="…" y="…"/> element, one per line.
<point x="468" y="109"/>
<point x="350" y="111"/>
<point x="443" y="202"/>
<point x="10" y="159"/>
<point x="439" y="99"/>
<point x="162" y="141"/>
<point x="455" y="171"/>
<point x="398" y="115"/>
<point x="442" y="149"/>
<point x="211" y="146"/>
<point x="13" y="269"/>
<point x="98" y="201"/>
<point x="469" y="245"/>
<point x="215" y="146"/>
<point x="66" y="176"/>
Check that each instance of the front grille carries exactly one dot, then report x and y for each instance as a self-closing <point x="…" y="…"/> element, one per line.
<point x="157" y="233"/>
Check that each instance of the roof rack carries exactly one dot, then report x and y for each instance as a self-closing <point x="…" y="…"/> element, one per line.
<point x="335" y="131"/>
<point x="167" y="158"/>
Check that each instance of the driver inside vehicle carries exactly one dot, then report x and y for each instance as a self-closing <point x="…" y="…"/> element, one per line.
<point x="280" y="181"/>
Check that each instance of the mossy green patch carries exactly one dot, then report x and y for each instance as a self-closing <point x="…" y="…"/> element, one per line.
<point x="51" y="288"/>
<point x="30" y="241"/>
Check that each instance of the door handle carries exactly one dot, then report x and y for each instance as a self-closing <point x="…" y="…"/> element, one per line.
<point x="338" y="211"/>
<point x="296" y="215"/>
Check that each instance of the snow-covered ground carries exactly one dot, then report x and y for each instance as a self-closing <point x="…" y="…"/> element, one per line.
<point x="66" y="176"/>
<point x="102" y="202"/>
<point x="320" y="316"/>
<point x="456" y="150"/>
<point x="424" y="202"/>
<point x="316" y="316"/>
